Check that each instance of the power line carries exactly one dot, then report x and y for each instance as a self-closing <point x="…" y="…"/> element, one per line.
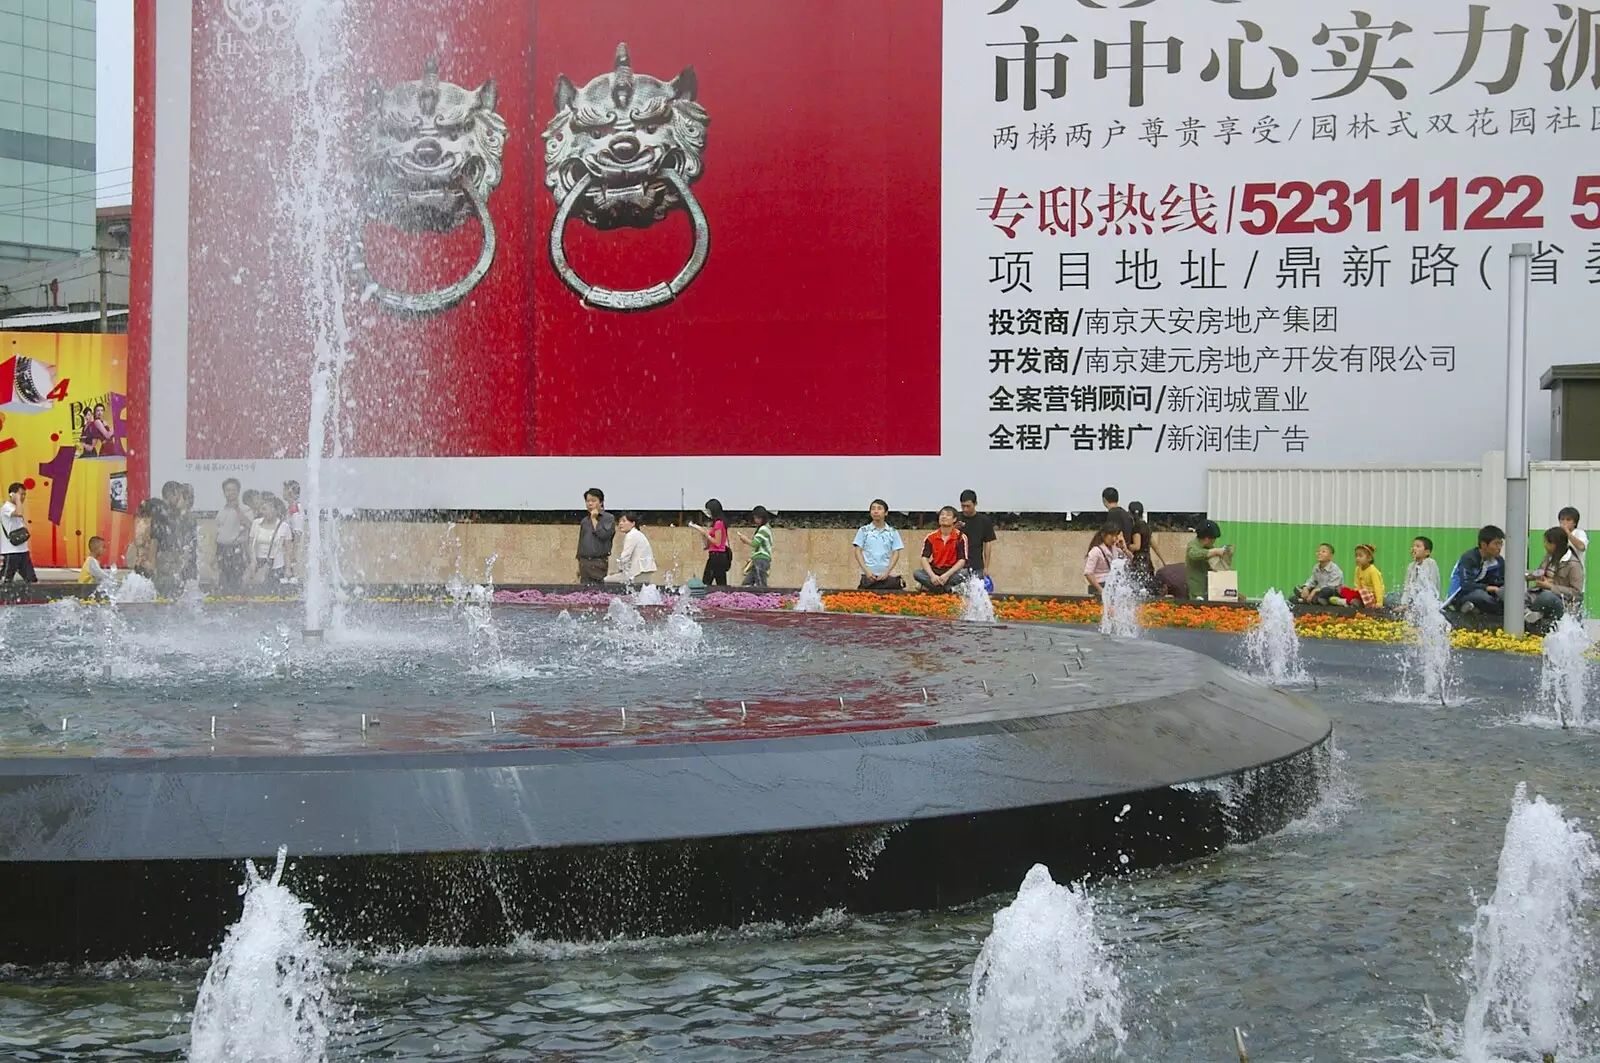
<point x="72" y="177"/>
<point x="34" y="208"/>
<point x="49" y="197"/>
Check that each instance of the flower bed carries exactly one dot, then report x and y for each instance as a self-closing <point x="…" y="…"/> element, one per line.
<point x="1354" y="627"/>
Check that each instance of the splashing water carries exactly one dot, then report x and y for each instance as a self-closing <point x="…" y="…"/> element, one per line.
<point x="1044" y="984"/>
<point x="133" y="589"/>
<point x="1530" y="948"/>
<point x="622" y="614"/>
<point x="1426" y="667"/>
<point x="317" y="195"/>
<point x="1273" y="646"/>
<point x="1564" y="675"/>
<point x="265" y="996"/>
<point x="810" y="600"/>
<point x="1119" y="602"/>
<point x="649" y="594"/>
<point x="977" y="606"/>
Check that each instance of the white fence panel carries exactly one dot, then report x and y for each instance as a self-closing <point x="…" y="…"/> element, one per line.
<point x="1427" y="496"/>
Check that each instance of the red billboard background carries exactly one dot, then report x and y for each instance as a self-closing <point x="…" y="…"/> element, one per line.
<point x="813" y="329"/>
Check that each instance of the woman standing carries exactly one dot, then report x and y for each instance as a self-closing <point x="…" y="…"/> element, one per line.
<point x="1107" y="548"/>
<point x="269" y="543"/>
<point x="719" y="558"/>
<point x="760" y="544"/>
<point x="1141" y="545"/>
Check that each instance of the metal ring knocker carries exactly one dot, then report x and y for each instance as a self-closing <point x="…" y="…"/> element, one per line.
<point x="418" y="303"/>
<point x="638" y="298"/>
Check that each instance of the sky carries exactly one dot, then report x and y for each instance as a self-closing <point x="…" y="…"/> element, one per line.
<point x="114" y="102"/>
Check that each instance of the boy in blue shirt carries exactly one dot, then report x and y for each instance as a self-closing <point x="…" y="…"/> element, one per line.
<point x="1480" y="575"/>
<point x="878" y="549"/>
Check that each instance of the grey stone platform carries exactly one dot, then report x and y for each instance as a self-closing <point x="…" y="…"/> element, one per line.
<point x="1090" y="754"/>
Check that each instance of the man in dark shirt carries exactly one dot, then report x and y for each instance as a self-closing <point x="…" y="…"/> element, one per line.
<point x="1115" y="514"/>
<point x="979" y="530"/>
<point x="595" y="533"/>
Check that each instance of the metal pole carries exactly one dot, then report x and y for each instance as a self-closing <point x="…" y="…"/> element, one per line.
<point x="102" y="290"/>
<point x="1516" y="559"/>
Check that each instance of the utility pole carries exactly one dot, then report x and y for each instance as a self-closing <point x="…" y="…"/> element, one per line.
<point x="1514" y="594"/>
<point x="102" y="252"/>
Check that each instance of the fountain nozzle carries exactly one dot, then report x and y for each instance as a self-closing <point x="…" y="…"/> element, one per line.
<point x="311" y="634"/>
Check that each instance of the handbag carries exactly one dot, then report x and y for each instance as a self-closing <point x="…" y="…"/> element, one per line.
<point x="18" y="536"/>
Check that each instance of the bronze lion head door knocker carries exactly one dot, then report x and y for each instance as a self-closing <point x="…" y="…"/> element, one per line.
<point x="430" y="157"/>
<point x="622" y="152"/>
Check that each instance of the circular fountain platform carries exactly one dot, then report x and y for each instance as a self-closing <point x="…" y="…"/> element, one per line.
<point x="522" y="770"/>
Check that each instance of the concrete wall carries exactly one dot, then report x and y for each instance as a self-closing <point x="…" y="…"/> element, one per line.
<point x="1025" y="562"/>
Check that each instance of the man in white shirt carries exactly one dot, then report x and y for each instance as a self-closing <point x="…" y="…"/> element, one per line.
<point x="1576" y="538"/>
<point x="637" y="561"/>
<point x="14" y="557"/>
<point x="233" y="536"/>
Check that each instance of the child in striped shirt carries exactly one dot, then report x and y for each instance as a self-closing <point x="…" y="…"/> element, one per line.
<point x="760" y="544"/>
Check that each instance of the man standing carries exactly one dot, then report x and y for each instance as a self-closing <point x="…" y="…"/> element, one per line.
<point x="878" y="549"/>
<point x="17" y="561"/>
<point x="233" y="532"/>
<point x="979" y="530"/>
<point x="595" y="533"/>
<point x="1116" y="514"/>
<point x="944" y="555"/>
<point x="297" y="529"/>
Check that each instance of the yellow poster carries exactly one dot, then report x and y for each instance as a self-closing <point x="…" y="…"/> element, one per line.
<point x="63" y="435"/>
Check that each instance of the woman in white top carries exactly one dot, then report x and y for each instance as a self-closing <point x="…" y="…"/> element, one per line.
<point x="269" y="543"/>
<point x="637" y="561"/>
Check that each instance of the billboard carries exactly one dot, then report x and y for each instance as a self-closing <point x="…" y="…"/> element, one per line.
<point x="809" y="254"/>
<point x="64" y="434"/>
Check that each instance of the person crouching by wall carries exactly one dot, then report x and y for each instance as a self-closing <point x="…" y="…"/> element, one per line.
<point x="944" y="555"/>
<point x="760" y="544"/>
<point x="878" y="548"/>
<point x="1558" y="581"/>
<point x="637" y="561"/>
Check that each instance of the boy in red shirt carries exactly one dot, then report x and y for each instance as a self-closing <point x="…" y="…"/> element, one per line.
<point x="944" y="555"/>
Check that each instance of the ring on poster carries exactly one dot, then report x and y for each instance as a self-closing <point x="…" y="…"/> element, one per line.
<point x="25" y="385"/>
<point x="431" y="159"/>
<point x="621" y="152"/>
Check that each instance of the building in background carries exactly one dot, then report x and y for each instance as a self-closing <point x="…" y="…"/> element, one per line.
<point x="48" y="240"/>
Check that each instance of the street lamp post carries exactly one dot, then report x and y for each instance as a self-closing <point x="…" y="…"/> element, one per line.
<point x="1515" y="592"/>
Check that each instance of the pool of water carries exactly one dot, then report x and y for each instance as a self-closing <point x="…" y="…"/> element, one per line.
<point x="1320" y="942"/>
<point x="147" y="679"/>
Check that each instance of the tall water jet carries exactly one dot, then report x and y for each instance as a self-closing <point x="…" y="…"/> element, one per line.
<point x="976" y="605"/>
<point x="1426" y="660"/>
<point x="810" y="600"/>
<point x="1044" y="984"/>
<point x="1564" y="674"/>
<point x="1272" y="647"/>
<point x="265" y="997"/>
<point x="319" y="188"/>
<point x="1530" y="947"/>
<point x="1119" y="602"/>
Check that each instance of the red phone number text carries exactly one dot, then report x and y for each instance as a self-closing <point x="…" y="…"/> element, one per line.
<point x="1297" y="208"/>
<point x="1286" y="208"/>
